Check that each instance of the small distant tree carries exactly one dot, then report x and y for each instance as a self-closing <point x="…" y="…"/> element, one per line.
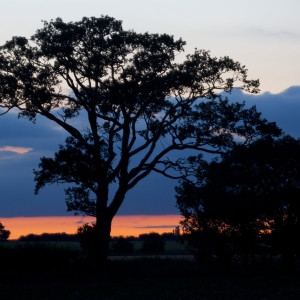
<point x="153" y="243"/>
<point x="4" y="234"/>
<point x="122" y="245"/>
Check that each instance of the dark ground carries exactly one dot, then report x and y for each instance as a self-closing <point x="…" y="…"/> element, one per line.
<point x="40" y="273"/>
<point x="148" y="279"/>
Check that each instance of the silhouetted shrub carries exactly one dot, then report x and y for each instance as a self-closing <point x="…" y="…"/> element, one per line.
<point x="4" y="234"/>
<point x="153" y="243"/>
<point x="122" y="245"/>
<point x="86" y="235"/>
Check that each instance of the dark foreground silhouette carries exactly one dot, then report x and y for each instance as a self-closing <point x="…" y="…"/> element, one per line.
<point x="41" y="271"/>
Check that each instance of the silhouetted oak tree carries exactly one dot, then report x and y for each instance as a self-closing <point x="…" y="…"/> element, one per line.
<point x="138" y="102"/>
<point x="4" y="234"/>
<point x="252" y="190"/>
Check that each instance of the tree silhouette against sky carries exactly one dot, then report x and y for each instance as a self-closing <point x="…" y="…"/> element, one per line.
<point x="140" y="105"/>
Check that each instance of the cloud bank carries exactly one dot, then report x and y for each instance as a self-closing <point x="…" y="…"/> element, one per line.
<point x="282" y="108"/>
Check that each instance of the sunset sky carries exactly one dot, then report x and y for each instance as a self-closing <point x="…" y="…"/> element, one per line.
<point x="263" y="35"/>
<point x="122" y="225"/>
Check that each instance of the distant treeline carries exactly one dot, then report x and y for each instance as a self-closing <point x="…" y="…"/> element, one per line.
<point x="48" y="237"/>
<point x="65" y="237"/>
<point x="166" y="236"/>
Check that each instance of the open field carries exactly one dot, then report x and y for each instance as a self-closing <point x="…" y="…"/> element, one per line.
<point x="43" y="272"/>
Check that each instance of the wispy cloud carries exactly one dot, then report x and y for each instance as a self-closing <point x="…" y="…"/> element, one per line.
<point x="79" y="222"/>
<point x="19" y="150"/>
<point x="274" y="33"/>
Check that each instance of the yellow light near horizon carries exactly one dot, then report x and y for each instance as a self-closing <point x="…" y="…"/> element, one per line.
<point x="122" y="225"/>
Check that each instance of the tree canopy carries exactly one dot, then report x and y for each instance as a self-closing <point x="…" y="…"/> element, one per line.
<point x="140" y="104"/>
<point x="252" y="194"/>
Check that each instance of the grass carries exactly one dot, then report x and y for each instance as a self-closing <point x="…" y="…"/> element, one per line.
<point x="45" y="272"/>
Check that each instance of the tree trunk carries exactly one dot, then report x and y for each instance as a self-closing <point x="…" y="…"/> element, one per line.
<point x="101" y="238"/>
<point x="104" y="216"/>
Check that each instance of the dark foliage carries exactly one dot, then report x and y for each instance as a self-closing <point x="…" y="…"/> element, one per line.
<point x="153" y="243"/>
<point x="4" y="234"/>
<point x="86" y="235"/>
<point x="248" y="199"/>
<point x="122" y="245"/>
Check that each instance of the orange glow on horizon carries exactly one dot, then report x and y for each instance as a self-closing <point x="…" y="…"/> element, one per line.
<point x="122" y="225"/>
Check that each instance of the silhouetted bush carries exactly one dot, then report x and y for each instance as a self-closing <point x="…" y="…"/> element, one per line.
<point x="4" y="234"/>
<point x="153" y="243"/>
<point x="122" y="245"/>
<point x="86" y="235"/>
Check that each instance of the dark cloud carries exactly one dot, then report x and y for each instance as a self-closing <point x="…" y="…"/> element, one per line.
<point x="153" y="195"/>
<point x="79" y="222"/>
<point x="282" y="108"/>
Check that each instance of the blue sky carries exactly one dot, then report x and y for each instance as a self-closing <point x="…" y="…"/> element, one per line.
<point x="263" y="35"/>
